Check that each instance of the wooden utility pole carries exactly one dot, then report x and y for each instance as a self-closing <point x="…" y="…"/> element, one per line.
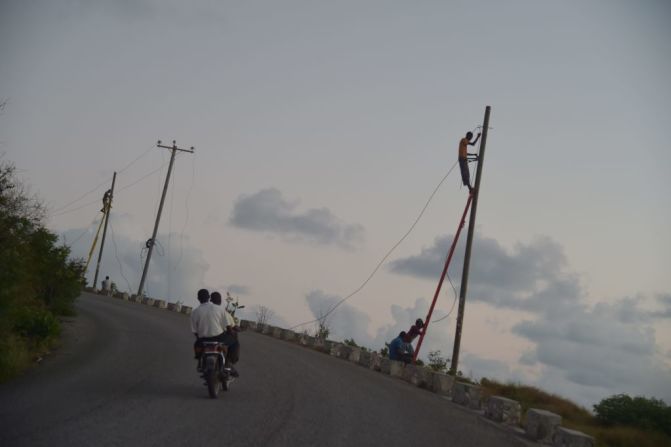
<point x="469" y="243"/>
<point x="107" y="207"/>
<point x="152" y="241"/>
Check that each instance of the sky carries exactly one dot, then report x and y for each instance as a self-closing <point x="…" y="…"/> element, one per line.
<point x="321" y="130"/>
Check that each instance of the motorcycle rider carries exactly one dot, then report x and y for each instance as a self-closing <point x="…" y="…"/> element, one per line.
<point x="209" y="321"/>
<point x="230" y="336"/>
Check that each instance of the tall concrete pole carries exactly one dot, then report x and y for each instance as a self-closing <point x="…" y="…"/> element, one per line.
<point x="174" y="150"/>
<point x="469" y="244"/>
<point x="107" y="209"/>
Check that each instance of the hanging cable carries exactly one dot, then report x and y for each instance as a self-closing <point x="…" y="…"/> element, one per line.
<point x="384" y="258"/>
<point x="453" y="301"/>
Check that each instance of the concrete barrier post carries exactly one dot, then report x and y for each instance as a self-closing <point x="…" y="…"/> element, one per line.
<point x="441" y="383"/>
<point x="186" y="310"/>
<point x="306" y="340"/>
<point x="354" y="355"/>
<point x="396" y="368"/>
<point x="277" y="332"/>
<point x="504" y="410"/>
<point x="175" y="307"/>
<point x="541" y="425"/>
<point x="417" y="375"/>
<point x="385" y="365"/>
<point x="467" y="395"/>
<point x="148" y="301"/>
<point x="288" y="335"/>
<point x="161" y="304"/>
<point x="375" y="359"/>
<point x="364" y="358"/>
<point x="565" y="437"/>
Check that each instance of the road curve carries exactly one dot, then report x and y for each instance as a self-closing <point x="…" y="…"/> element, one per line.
<point x="125" y="377"/>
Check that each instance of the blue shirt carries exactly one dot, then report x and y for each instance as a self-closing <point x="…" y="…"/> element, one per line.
<point x="396" y="347"/>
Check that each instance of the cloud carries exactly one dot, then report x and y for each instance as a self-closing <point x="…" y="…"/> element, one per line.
<point x="176" y="272"/>
<point x="665" y="301"/>
<point x="267" y="211"/>
<point x="583" y="351"/>
<point x="525" y="278"/>
<point x="236" y="289"/>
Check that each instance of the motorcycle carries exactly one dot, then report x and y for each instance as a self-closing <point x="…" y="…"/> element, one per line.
<point x="212" y="365"/>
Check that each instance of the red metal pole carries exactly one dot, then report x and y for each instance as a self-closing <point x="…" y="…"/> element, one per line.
<point x="442" y="277"/>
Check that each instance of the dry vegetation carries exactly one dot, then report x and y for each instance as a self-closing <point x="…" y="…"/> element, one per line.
<point x="576" y="417"/>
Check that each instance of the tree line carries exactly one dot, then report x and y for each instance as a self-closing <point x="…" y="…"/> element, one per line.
<point x="38" y="281"/>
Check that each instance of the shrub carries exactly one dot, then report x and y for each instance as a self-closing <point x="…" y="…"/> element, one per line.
<point x="37" y="324"/>
<point x="437" y="362"/>
<point x="640" y="412"/>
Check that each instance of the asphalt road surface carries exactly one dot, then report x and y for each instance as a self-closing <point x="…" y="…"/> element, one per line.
<point x="125" y="377"/>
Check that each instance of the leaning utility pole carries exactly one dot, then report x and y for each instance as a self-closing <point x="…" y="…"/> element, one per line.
<point x="152" y="241"/>
<point x="469" y="244"/>
<point x="107" y="206"/>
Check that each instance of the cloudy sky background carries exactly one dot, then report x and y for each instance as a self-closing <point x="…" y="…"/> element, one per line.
<point x="321" y="128"/>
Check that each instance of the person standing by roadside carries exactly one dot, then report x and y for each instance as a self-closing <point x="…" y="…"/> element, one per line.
<point x="107" y="286"/>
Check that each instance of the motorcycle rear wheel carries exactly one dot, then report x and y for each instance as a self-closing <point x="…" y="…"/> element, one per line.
<point x="213" y="384"/>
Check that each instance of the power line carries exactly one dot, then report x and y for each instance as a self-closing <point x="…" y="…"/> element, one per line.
<point x="120" y="189"/>
<point x="384" y="258"/>
<point x="104" y="182"/>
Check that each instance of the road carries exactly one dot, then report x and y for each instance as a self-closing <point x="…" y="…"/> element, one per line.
<point x="125" y="377"/>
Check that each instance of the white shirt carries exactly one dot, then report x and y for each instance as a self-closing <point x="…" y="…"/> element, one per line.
<point x="210" y="320"/>
<point x="106" y="284"/>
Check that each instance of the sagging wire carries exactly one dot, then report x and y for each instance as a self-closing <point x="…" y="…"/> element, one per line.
<point x="454" y="289"/>
<point x="384" y="258"/>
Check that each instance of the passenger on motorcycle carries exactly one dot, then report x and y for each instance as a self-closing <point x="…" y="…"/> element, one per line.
<point x="230" y="336"/>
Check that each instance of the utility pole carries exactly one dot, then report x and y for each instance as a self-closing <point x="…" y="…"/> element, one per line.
<point x="469" y="243"/>
<point x="152" y="241"/>
<point x="107" y="207"/>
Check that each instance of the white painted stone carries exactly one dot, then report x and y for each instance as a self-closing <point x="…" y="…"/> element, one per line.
<point x="565" y="437"/>
<point x="540" y="425"/>
<point x="504" y="410"/>
<point x="467" y="395"/>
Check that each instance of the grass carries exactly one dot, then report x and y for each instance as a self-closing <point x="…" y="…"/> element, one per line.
<point x="575" y="417"/>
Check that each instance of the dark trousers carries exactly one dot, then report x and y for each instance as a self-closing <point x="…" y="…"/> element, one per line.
<point x="465" y="173"/>
<point x="230" y="340"/>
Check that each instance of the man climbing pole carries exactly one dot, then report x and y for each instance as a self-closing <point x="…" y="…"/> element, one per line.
<point x="464" y="158"/>
<point x="107" y="200"/>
